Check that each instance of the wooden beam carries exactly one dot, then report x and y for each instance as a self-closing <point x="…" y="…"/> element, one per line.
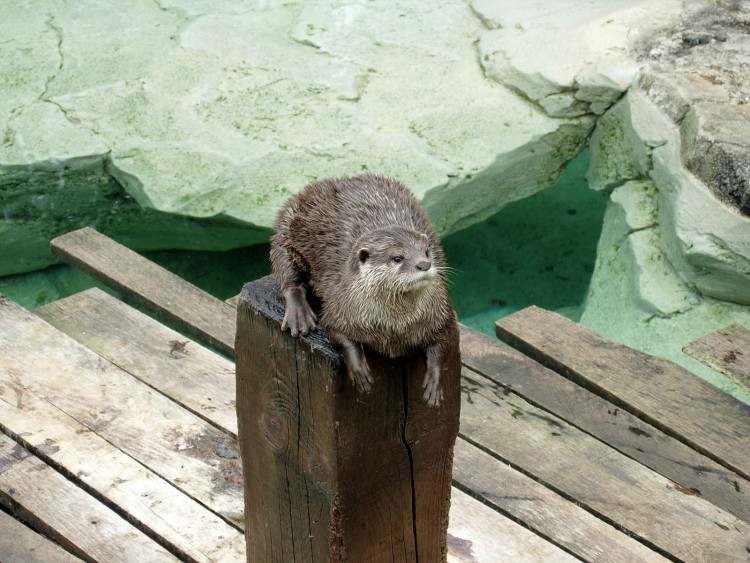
<point x="163" y="512"/>
<point x="62" y="511"/>
<point x="188" y="308"/>
<point x="193" y="455"/>
<point x="664" y="516"/>
<point x="538" y="508"/>
<point x="181" y="369"/>
<point x="19" y="543"/>
<point x="477" y="534"/>
<point x="726" y="350"/>
<point x="656" y="390"/>
<point x="611" y="424"/>
<point x="343" y="476"/>
<point x="196" y="378"/>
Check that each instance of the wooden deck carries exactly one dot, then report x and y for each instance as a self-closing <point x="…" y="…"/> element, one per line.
<point x="119" y="437"/>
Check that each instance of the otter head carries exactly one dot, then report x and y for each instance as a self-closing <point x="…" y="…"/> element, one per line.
<point x="394" y="260"/>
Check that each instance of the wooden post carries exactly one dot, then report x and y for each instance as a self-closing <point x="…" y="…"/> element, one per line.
<point x="331" y="474"/>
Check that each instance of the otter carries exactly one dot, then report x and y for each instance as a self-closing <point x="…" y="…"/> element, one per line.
<point x="367" y="250"/>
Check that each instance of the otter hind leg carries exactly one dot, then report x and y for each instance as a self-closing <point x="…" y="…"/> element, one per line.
<point x="433" y="394"/>
<point x="356" y="362"/>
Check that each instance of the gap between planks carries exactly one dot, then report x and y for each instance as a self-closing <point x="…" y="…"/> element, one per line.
<point x="67" y="514"/>
<point x="120" y="334"/>
<point x="639" y="428"/>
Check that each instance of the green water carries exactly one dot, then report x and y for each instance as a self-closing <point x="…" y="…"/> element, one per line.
<point x="537" y="251"/>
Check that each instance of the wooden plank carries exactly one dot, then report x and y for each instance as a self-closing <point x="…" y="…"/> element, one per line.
<point x="612" y="486"/>
<point x="344" y="476"/>
<point x="544" y="511"/>
<point x="595" y="415"/>
<point x="656" y="390"/>
<point x="127" y="337"/>
<point x="190" y="309"/>
<point x="474" y="530"/>
<point x="143" y="498"/>
<point x="52" y="504"/>
<point x="195" y="456"/>
<point x="726" y="350"/>
<point x="19" y="543"/>
<point x="478" y="534"/>
<point x="717" y="524"/>
<point x="196" y="378"/>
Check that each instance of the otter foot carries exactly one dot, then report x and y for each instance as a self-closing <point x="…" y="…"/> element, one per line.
<point x="356" y="363"/>
<point x="433" y="394"/>
<point x="298" y="316"/>
<point x="361" y="378"/>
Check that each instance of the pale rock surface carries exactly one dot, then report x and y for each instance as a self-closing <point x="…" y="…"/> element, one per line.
<point x="638" y="298"/>
<point x="186" y="123"/>
<point x="570" y="57"/>
<point x="678" y="144"/>
<point x="221" y="110"/>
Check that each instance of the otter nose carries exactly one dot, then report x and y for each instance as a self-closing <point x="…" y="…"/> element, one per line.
<point x="424" y="265"/>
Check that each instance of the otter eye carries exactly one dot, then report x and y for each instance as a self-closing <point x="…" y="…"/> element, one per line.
<point x="398" y="259"/>
<point x="427" y="253"/>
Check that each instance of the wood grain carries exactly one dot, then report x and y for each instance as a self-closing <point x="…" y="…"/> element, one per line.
<point x="726" y="350"/>
<point x="190" y="309"/>
<point x="195" y="456"/>
<point x="19" y="543"/>
<point x="348" y="477"/>
<point x="613" y="425"/>
<point x="665" y="516"/>
<point x="544" y="511"/>
<point x="616" y="488"/>
<point x="127" y="340"/>
<point x="139" y="495"/>
<point x="656" y="390"/>
<point x="65" y="513"/>
<point x="478" y="534"/>
<point x="186" y="372"/>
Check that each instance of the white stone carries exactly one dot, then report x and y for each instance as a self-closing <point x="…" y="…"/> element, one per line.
<point x="636" y="296"/>
<point x="673" y="263"/>
<point x="581" y="48"/>
<point x="221" y="110"/>
<point x="707" y="242"/>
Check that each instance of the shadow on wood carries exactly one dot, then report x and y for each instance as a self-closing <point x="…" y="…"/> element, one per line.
<point x="331" y="474"/>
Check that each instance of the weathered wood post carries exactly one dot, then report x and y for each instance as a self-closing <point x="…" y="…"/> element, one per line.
<point x="331" y="474"/>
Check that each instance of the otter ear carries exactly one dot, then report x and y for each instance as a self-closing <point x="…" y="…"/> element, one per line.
<point x="363" y="255"/>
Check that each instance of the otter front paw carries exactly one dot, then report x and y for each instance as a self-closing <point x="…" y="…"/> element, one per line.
<point x="299" y="318"/>
<point x="433" y="394"/>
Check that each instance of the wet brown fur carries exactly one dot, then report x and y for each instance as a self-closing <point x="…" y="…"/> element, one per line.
<point x="339" y="237"/>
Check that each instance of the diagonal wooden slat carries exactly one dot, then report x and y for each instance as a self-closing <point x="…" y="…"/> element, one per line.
<point x="726" y="350"/>
<point x="656" y="390"/>
<point x="613" y="425"/>
<point x="189" y="308"/>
